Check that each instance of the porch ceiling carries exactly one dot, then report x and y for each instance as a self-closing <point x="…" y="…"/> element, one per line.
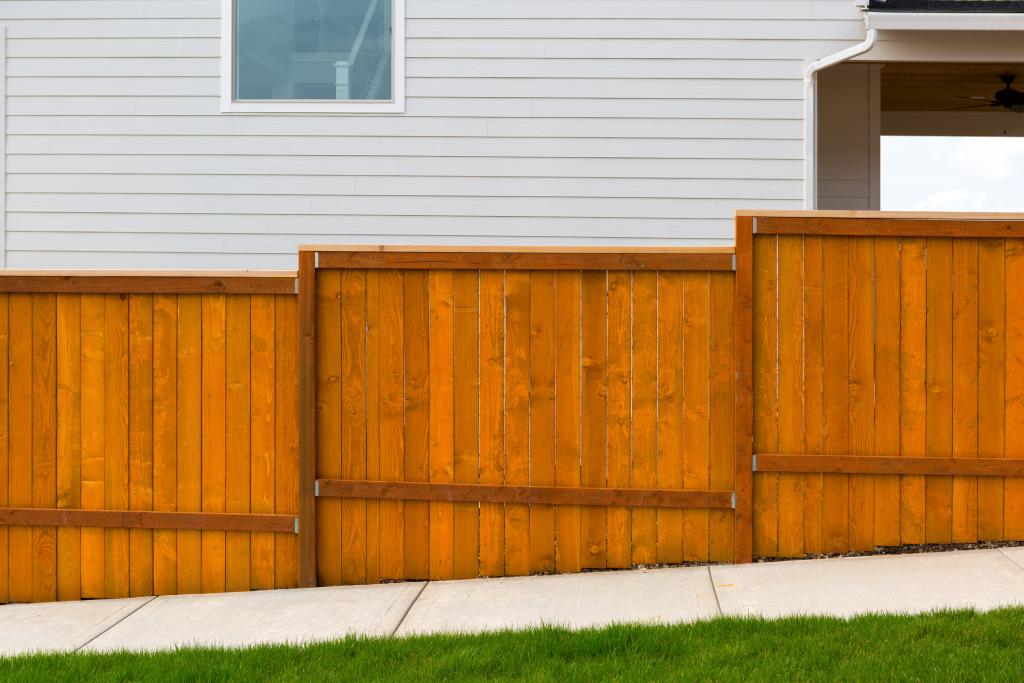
<point x="936" y="87"/>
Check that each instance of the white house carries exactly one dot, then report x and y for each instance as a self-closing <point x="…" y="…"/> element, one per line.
<point x="222" y="133"/>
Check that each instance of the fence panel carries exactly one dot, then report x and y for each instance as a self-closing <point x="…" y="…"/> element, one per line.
<point x="132" y="406"/>
<point x="510" y="413"/>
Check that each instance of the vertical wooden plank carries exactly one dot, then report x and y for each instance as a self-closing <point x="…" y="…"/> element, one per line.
<point x="189" y="437"/>
<point x="744" y="415"/>
<point x="814" y="366"/>
<point x="594" y="332"/>
<point x="492" y="418"/>
<point x="887" y="386"/>
<point x="467" y="412"/>
<point x="20" y="420"/>
<point x="939" y="369"/>
<point x="237" y="430"/>
<point x="913" y="387"/>
<point x="392" y="417"/>
<point x="644" y="472"/>
<point x="542" y="417"/>
<point x="991" y="378"/>
<point x="766" y="416"/>
<point x="307" y="454"/>
<point x="165" y="439"/>
<point x="140" y="438"/>
<point x="442" y="373"/>
<point x="328" y="424"/>
<point x="517" y="418"/>
<point x="5" y="442"/>
<point x="290" y="551"/>
<point x="791" y="391"/>
<point x="1013" y="487"/>
<point x="670" y="411"/>
<point x="373" y="390"/>
<point x="722" y="404"/>
<point x="417" y="425"/>
<point x="214" y="418"/>
<point x="115" y="442"/>
<point x="618" y="401"/>
<point x="44" y="442"/>
<point x="965" y="386"/>
<point x="567" y="415"/>
<point x="69" y="437"/>
<point x="353" y="422"/>
<point x="92" y="433"/>
<point x="260" y="463"/>
<point x="696" y="418"/>
<point x="836" y="378"/>
<point x="862" y="388"/>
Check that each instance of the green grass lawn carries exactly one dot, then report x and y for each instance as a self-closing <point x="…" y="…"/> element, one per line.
<point x="942" y="646"/>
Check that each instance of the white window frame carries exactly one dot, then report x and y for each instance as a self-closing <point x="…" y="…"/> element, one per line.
<point x="228" y="103"/>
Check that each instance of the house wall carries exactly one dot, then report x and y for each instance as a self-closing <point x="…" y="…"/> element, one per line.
<point x="528" y="121"/>
<point x="849" y="110"/>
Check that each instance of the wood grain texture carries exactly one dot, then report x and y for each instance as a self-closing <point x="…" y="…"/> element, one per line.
<point x="506" y="259"/>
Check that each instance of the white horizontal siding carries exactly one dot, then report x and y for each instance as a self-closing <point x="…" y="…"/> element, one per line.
<point x="527" y="122"/>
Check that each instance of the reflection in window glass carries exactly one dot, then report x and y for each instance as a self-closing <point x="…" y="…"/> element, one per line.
<point x="313" y="49"/>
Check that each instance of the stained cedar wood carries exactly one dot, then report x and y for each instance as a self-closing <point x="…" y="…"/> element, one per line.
<point x="567" y="415"/>
<point x="214" y="395"/>
<point x="517" y="418"/>
<point x="744" y="415"/>
<point x="440" y="463"/>
<point x="69" y="441"/>
<point x="618" y="406"/>
<point x="1013" y="488"/>
<point x="115" y="441"/>
<point x="140" y="438"/>
<point x="526" y="495"/>
<point x="991" y="378"/>
<point x="696" y="436"/>
<point x="509" y="259"/>
<point x="722" y="412"/>
<point x="44" y="454"/>
<point x="887" y="387"/>
<point x="145" y="282"/>
<point x="965" y="386"/>
<point x="92" y="306"/>
<point x="328" y="423"/>
<point x="260" y="458"/>
<point x="165" y="335"/>
<point x="791" y="391"/>
<point x="542" y="417"/>
<point x="391" y="416"/>
<point x="189" y="438"/>
<point x="903" y="227"/>
<point x="913" y="385"/>
<point x="20" y="413"/>
<point x="836" y="378"/>
<point x="237" y="430"/>
<point x="492" y="418"/>
<point x="644" y="412"/>
<point x="765" y="359"/>
<point x="861" y="388"/>
<point x="467" y="410"/>
<point x="353" y="422"/>
<point x="290" y="554"/>
<point x="937" y="465"/>
<point x="813" y="389"/>
<point x="146" y="519"/>
<point x="5" y="440"/>
<point x="417" y="436"/>
<point x="670" y="412"/>
<point x="939" y="369"/>
<point x="594" y="331"/>
<point x="372" y="422"/>
<point x="307" y="420"/>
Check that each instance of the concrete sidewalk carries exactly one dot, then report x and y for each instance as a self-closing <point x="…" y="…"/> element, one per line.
<point x="982" y="579"/>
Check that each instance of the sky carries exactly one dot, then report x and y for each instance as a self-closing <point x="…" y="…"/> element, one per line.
<point x="952" y="174"/>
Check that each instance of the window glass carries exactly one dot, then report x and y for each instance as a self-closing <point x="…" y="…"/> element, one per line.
<point x="313" y="50"/>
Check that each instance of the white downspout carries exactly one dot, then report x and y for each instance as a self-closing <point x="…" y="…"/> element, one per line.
<point x="811" y="112"/>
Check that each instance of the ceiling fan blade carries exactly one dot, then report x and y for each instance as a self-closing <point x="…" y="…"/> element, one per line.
<point x="975" y="97"/>
<point x="977" y="106"/>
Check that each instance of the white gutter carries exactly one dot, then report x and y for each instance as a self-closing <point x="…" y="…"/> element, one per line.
<point x="946" y="21"/>
<point x="811" y="112"/>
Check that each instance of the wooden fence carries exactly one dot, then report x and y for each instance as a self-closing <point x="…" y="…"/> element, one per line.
<point x="838" y="381"/>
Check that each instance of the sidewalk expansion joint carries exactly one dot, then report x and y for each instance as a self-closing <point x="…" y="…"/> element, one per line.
<point x="1002" y="551"/>
<point x="113" y="624"/>
<point x="409" y="608"/>
<point x="714" y="591"/>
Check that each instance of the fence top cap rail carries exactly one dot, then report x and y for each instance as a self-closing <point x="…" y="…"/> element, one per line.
<point x="498" y="249"/>
<point x="884" y="215"/>
<point x="220" y="274"/>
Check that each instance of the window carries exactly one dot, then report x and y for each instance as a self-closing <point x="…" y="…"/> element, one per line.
<point x="308" y="56"/>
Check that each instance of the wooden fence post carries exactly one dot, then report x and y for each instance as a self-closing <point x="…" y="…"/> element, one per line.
<point x="307" y="418"/>
<point x="744" y="535"/>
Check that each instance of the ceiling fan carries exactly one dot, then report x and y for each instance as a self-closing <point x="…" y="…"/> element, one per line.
<point x="1007" y="98"/>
